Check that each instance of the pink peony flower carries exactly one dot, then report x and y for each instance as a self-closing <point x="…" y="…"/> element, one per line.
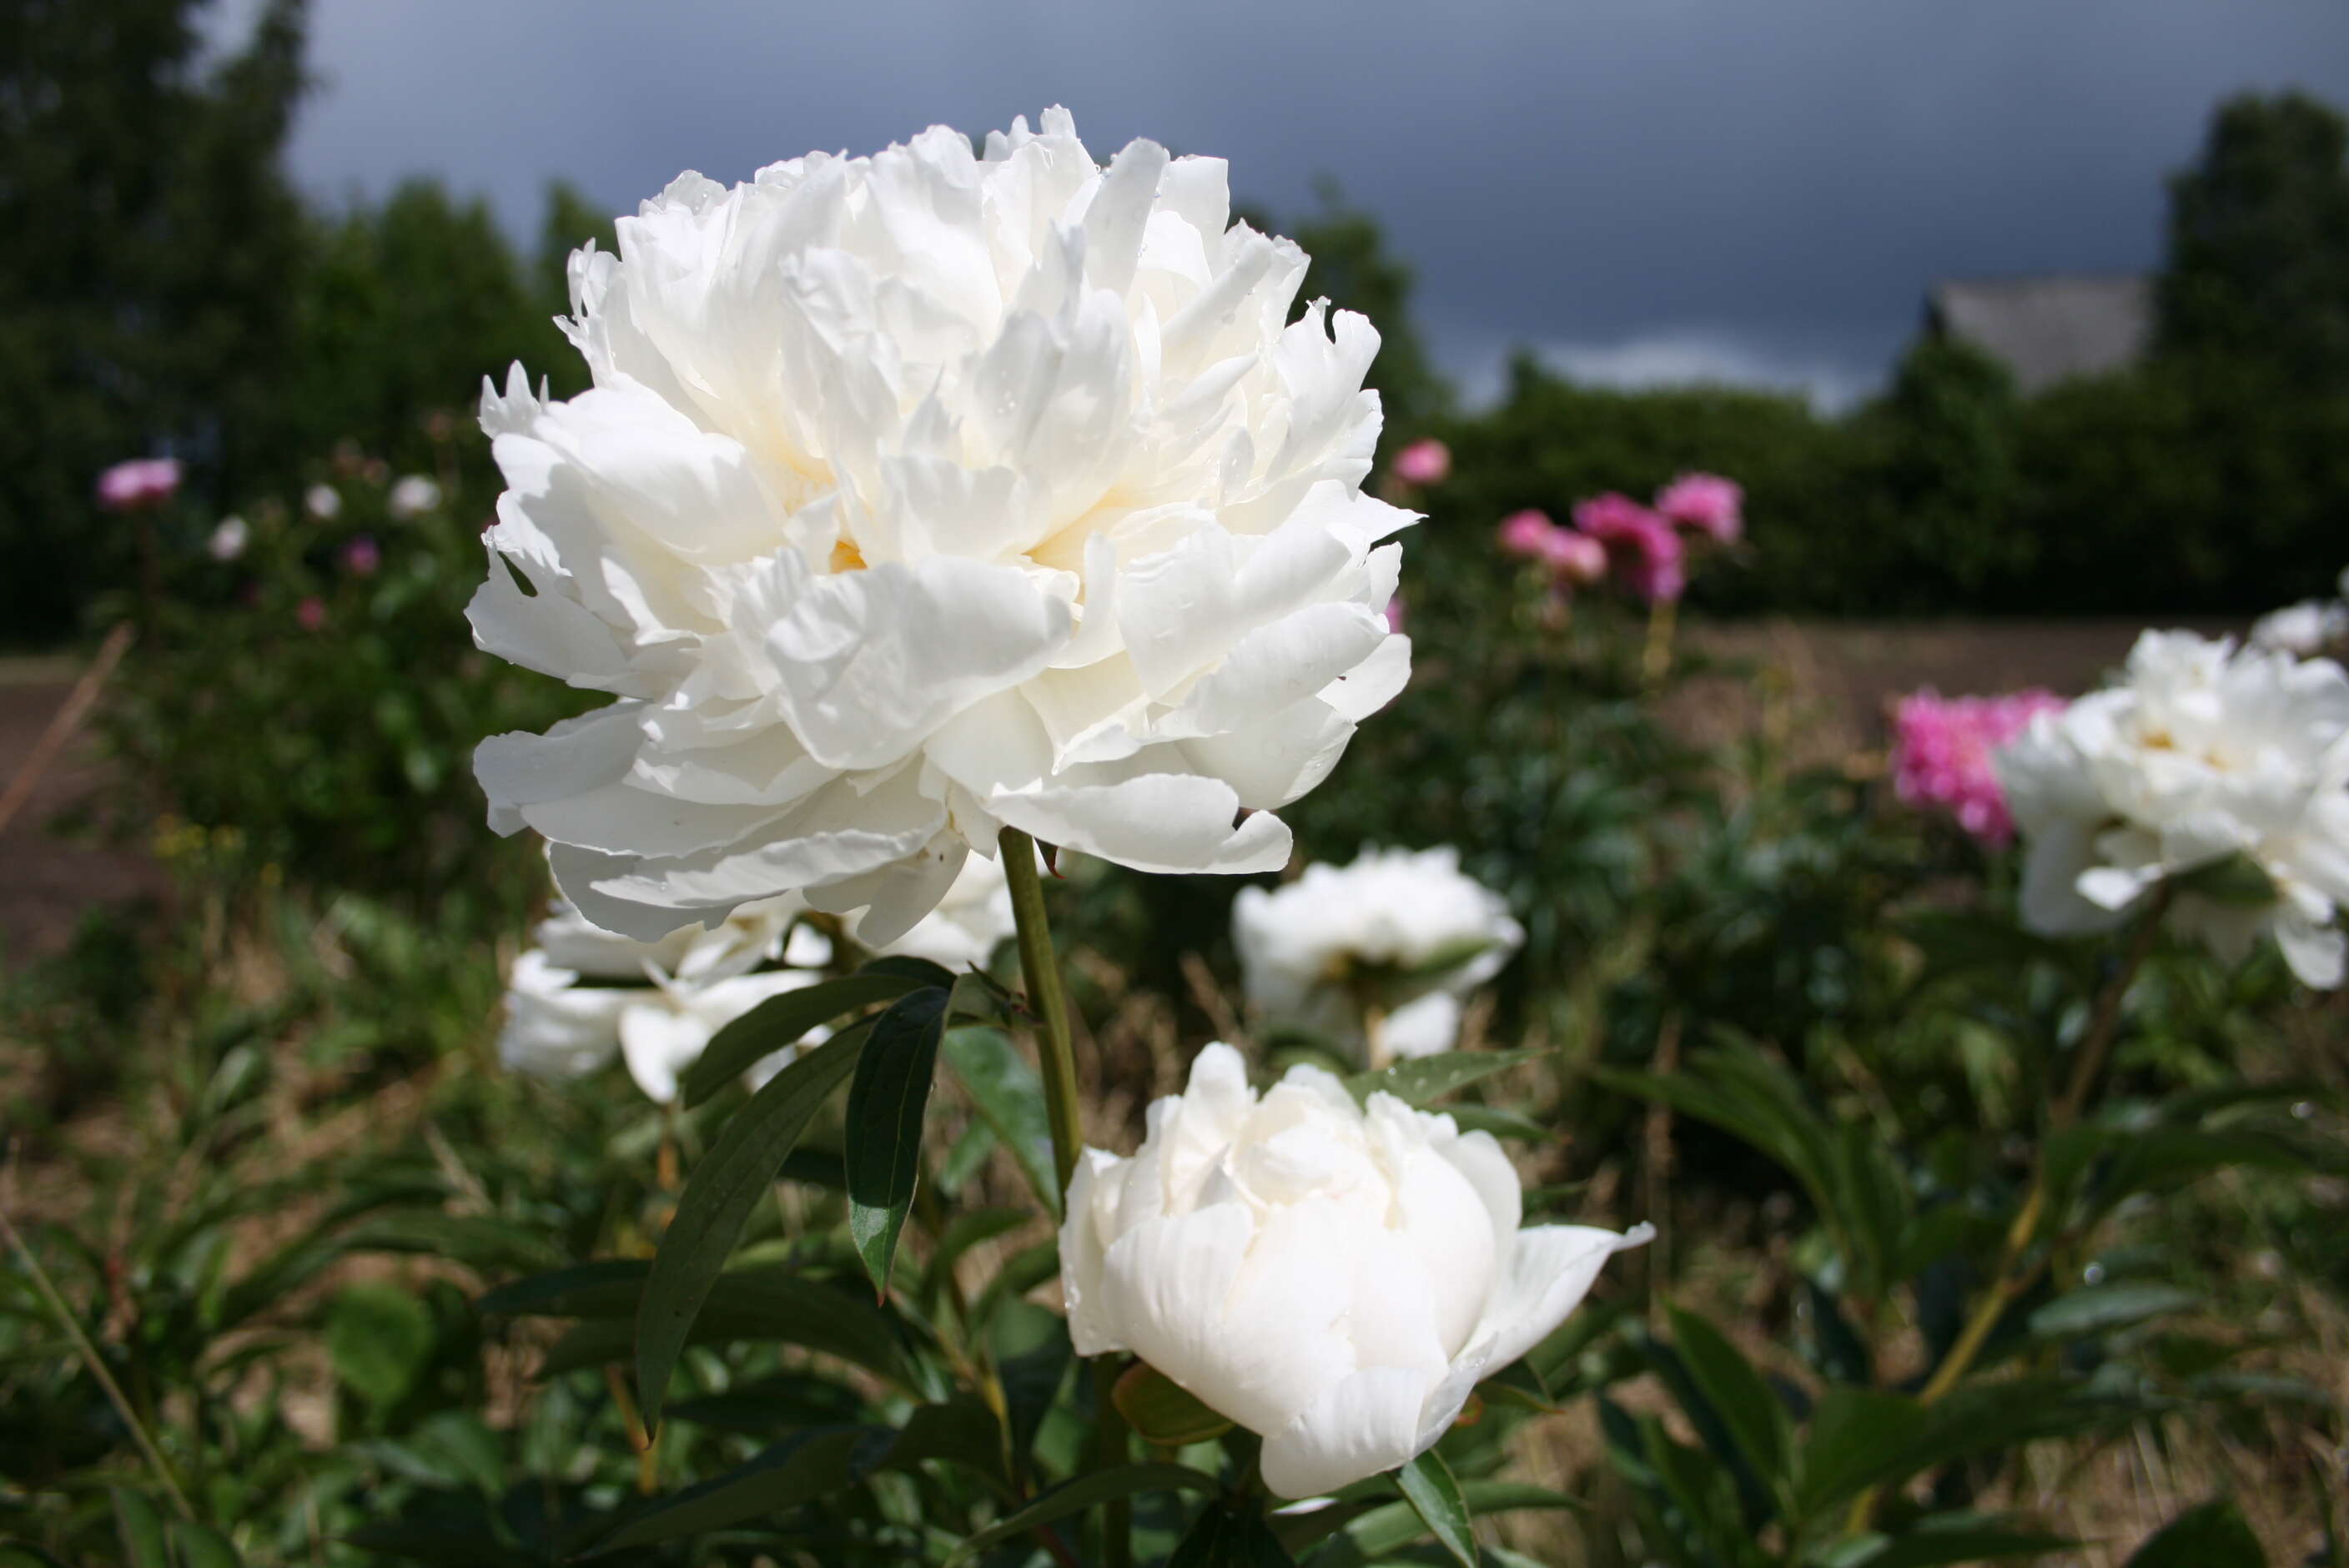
<point x="140" y="482"/>
<point x="311" y="614"/>
<point x="1642" y="549"/>
<point x="1942" y="752"/>
<point x="1427" y="462"/>
<point x="1528" y="534"/>
<point x="361" y="557"/>
<point x="1706" y="502"/>
<point x="1395" y="614"/>
<point x="1576" y="557"/>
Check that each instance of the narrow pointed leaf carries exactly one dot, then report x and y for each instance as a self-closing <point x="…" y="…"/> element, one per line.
<point x="1424" y="1078"/>
<point x="1009" y="1099"/>
<point x="2211" y="1536"/>
<point x="780" y="1021"/>
<point x="1230" y="1535"/>
<point x="792" y="1473"/>
<point x="887" y="1101"/>
<point x="1427" y="1485"/>
<point x="1088" y="1490"/>
<point x="716" y="1203"/>
<point x="1756" y="1420"/>
<point x="141" y="1527"/>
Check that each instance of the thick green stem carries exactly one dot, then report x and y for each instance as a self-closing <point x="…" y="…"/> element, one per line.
<point x="1056" y="1054"/>
<point x="96" y="1364"/>
<point x="2015" y="1276"/>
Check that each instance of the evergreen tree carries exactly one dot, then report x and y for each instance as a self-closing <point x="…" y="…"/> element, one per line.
<point x="2258" y="241"/>
<point x="144" y="287"/>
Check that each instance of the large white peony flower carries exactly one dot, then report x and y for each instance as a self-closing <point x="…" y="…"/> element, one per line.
<point x="2202" y="752"/>
<point x="1334" y="1277"/>
<point x="583" y="996"/>
<point x="925" y="493"/>
<point x="1403" y="933"/>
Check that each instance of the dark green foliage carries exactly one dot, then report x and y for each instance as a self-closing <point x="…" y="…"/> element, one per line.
<point x="2259" y="243"/>
<point x="144" y="305"/>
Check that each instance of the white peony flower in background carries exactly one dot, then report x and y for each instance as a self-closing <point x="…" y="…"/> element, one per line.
<point x="2305" y="629"/>
<point x="324" y="502"/>
<point x="1334" y="1277"/>
<point x="1405" y="933"/>
<point x="583" y="995"/>
<point x="2201" y="753"/>
<point x="925" y="494"/>
<point x="412" y="495"/>
<point x="228" y="538"/>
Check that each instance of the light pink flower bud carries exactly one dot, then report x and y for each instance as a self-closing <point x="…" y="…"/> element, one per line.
<point x="140" y="482"/>
<point x="1427" y="462"/>
<point x="1527" y="534"/>
<point x="1395" y="614"/>
<point x="1706" y="502"/>
<point x="1576" y="557"/>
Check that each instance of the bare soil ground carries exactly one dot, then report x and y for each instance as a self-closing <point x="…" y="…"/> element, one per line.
<point x="52" y="868"/>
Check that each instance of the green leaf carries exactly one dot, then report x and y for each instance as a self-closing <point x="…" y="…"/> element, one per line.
<point x="1375" y="1532"/>
<point x="1500" y="1123"/>
<point x="1163" y="1412"/>
<point x="1756" y="1420"/>
<point x="1422" y="1078"/>
<point x="2238" y="882"/>
<point x="2103" y="1309"/>
<point x="924" y="972"/>
<point x="1009" y="1099"/>
<point x="887" y="1101"/>
<point x="1088" y="1490"/>
<point x="768" y="1302"/>
<point x="1031" y="1360"/>
<point x="2211" y="1536"/>
<point x="1427" y="1485"/>
<point x="201" y="1546"/>
<point x="611" y="1287"/>
<point x="960" y="1430"/>
<point x="716" y="1203"/>
<point x="1851" y="1429"/>
<point x="378" y="1338"/>
<point x="140" y="1526"/>
<point x="784" y="1020"/>
<point x="1944" y="1540"/>
<point x="796" y="1471"/>
<point x="1230" y="1535"/>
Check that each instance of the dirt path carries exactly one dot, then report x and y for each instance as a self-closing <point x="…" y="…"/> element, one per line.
<point x="49" y="877"/>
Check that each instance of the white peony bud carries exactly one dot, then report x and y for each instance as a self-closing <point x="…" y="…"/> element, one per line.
<point x="2202" y="753"/>
<point x="412" y="495"/>
<point x="928" y="493"/>
<point x="1334" y="1277"/>
<point x="1394" y="930"/>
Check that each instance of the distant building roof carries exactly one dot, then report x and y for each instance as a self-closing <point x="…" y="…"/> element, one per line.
<point x="2048" y="328"/>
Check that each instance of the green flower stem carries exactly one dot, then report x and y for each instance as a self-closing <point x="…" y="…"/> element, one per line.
<point x="1056" y="1055"/>
<point x="2014" y="1276"/>
<point x="64" y="1313"/>
<point x="1057" y="1058"/>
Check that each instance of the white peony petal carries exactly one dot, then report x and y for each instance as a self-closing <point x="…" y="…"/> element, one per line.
<point x="1356" y="1429"/>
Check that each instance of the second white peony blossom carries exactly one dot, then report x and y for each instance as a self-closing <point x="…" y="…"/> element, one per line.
<point x="2203" y="752"/>
<point x="1334" y="1277"/>
<point x="1376" y="955"/>
<point x="927" y="493"/>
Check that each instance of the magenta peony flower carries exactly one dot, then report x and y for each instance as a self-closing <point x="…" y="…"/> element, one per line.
<point x="1528" y="534"/>
<point x="1706" y="502"/>
<point x="311" y="614"/>
<point x="1942" y="752"/>
<point x="1642" y="548"/>
<point x="140" y="482"/>
<point x="1427" y="462"/>
<point x="361" y="557"/>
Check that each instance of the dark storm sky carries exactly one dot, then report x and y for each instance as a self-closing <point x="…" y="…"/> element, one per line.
<point x="1644" y="190"/>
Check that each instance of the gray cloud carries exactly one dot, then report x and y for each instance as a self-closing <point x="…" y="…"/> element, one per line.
<point x="1778" y="180"/>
